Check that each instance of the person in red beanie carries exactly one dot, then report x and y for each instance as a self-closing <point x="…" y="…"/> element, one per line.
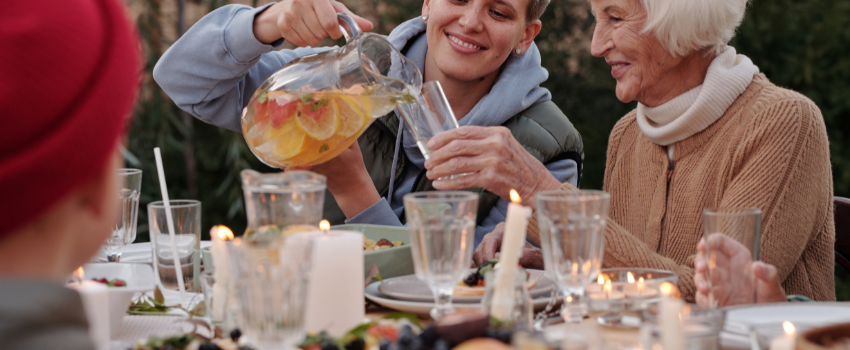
<point x="68" y="76"/>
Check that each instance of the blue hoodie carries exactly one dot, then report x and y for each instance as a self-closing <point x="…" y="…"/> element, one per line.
<point x="212" y="71"/>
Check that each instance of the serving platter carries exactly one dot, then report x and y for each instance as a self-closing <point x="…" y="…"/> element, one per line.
<point x="411" y="288"/>
<point x="424" y="308"/>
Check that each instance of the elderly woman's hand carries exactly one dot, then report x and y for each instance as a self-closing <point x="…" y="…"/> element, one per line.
<point x="491" y="158"/>
<point x="532" y="257"/>
<point x="729" y="280"/>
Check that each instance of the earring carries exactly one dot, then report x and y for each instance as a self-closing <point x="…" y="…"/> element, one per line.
<point x="425" y="18"/>
<point x="518" y="50"/>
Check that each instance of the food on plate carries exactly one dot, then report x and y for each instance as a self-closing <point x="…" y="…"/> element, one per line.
<point x="115" y="282"/>
<point x="483" y="344"/>
<point x="192" y="342"/>
<point x="394" y="328"/>
<point x="473" y="285"/>
<point x="370" y="245"/>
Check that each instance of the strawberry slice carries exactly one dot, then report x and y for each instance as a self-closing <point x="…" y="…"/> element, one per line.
<point x="281" y="113"/>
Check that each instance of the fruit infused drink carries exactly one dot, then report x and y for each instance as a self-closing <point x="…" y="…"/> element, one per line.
<point x="294" y="128"/>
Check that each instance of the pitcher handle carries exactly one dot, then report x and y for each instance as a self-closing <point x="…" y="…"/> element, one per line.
<point x="353" y="28"/>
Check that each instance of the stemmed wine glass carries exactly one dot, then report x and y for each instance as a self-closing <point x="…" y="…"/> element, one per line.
<point x="442" y="231"/>
<point x="572" y="232"/>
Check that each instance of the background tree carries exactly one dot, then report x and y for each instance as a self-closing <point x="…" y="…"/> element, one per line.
<point x="800" y="45"/>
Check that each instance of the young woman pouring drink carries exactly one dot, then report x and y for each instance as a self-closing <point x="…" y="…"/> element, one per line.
<point x="481" y="51"/>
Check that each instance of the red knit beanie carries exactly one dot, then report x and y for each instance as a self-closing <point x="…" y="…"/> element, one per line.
<point x="68" y="76"/>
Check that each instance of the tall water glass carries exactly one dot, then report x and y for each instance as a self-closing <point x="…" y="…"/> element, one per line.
<point x="270" y="279"/>
<point x="124" y="230"/>
<point x="442" y="230"/>
<point x="429" y="115"/>
<point x="732" y="244"/>
<point x="187" y="232"/>
<point x="572" y="236"/>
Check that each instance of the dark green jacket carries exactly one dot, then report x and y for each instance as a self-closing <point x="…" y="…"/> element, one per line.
<point x="542" y="129"/>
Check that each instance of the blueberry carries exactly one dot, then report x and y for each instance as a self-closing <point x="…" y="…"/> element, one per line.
<point x="471" y="280"/>
<point x="235" y="334"/>
<point x="329" y="345"/>
<point x="416" y="344"/>
<point x="405" y="335"/>
<point x="356" y="344"/>
<point x="441" y="344"/>
<point x="429" y="336"/>
<point x="209" y="346"/>
<point x="385" y="344"/>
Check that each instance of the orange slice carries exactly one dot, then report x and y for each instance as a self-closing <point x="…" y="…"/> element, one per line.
<point x="288" y="141"/>
<point x="318" y="119"/>
<point x="353" y="114"/>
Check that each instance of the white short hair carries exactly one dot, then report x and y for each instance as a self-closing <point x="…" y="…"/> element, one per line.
<point x="683" y="26"/>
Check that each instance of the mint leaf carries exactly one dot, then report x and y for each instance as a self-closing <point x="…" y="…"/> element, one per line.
<point x="264" y="96"/>
<point x="324" y="148"/>
<point x="318" y="104"/>
<point x="307" y="98"/>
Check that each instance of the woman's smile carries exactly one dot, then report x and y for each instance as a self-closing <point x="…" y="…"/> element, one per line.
<point x="618" y="68"/>
<point x="463" y="44"/>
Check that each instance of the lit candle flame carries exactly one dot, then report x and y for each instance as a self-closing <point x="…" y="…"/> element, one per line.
<point x="575" y="269"/>
<point x="223" y="232"/>
<point x="515" y="197"/>
<point x="586" y="266"/>
<point x="640" y="285"/>
<point x="79" y="274"/>
<point x="667" y="288"/>
<point x="569" y="299"/>
<point x="324" y="225"/>
<point x="789" y="328"/>
<point x="600" y="280"/>
<point x="607" y="289"/>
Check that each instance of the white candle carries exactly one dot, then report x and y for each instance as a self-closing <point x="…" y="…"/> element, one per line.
<point x="639" y="291"/>
<point x="335" y="291"/>
<point x="670" y="318"/>
<point x="513" y="241"/>
<point x="219" y="234"/>
<point x="787" y="340"/>
<point x="96" y="305"/>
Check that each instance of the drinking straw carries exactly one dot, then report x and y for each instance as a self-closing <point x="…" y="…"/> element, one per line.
<point x="168" y="218"/>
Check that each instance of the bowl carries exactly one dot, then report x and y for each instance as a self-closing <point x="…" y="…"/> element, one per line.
<point x="618" y="300"/>
<point x="391" y="262"/>
<point x="139" y="278"/>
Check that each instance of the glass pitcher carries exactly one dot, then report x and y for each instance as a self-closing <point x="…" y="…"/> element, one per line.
<point x="281" y="203"/>
<point x="316" y="106"/>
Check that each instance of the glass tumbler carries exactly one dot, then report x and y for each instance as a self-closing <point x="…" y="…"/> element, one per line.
<point x="187" y="232"/>
<point x="442" y="230"/>
<point x="270" y="280"/>
<point x="429" y="115"/>
<point x="572" y="233"/>
<point x="523" y="306"/>
<point x="732" y="244"/>
<point x="124" y="230"/>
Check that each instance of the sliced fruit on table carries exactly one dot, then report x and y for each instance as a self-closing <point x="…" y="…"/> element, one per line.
<point x="317" y="117"/>
<point x="288" y="140"/>
<point x="354" y="112"/>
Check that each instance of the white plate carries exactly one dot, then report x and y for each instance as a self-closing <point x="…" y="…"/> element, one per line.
<point x="410" y="288"/>
<point x="136" y="253"/>
<point x="804" y="315"/>
<point x="423" y="308"/>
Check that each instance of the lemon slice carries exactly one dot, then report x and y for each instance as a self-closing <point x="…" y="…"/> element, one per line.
<point x="288" y="141"/>
<point x="318" y="121"/>
<point x="353" y="114"/>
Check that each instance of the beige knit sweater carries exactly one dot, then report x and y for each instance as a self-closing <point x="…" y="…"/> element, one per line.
<point x="769" y="150"/>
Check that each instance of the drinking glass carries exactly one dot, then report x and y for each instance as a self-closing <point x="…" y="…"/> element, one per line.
<point x="187" y="232"/>
<point x="124" y="230"/>
<point x="442" y="230"/>
<point x="572" y="234"/>
<point x="270" y="279"/>
<point x="429" y="115"/>
<point x="732" y="244"/>
<point x="207" y="284"/>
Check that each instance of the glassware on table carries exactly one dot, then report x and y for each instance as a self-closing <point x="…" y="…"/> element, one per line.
<point x="523" y="311"/>
<point x="187" y="232"/>
<point x="207" y="283"/>
<point x="701" y="327"/>
<point x="572" y="233"/>
<point x="279" y="203"/>
<point x="124" y="231"/>
<point x="429" y="115"/>
<point x="270" y="280"/>
<point x="736" y="284"/>
<point x="316" y="106"/>
<point x="442" y="231"/>
<point x="620" y="294"/>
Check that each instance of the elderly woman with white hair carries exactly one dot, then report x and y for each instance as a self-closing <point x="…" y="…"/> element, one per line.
<point x="709" y="131"/>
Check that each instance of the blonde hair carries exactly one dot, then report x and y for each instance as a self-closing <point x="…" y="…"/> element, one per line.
<point x="683" y="26"/>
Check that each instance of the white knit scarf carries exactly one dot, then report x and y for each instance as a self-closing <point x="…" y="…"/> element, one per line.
<point x="691" y="112"/>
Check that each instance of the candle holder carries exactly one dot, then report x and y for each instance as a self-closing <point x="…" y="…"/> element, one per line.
<point x="620" y="294"/>
<point x="701" y="327"/>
